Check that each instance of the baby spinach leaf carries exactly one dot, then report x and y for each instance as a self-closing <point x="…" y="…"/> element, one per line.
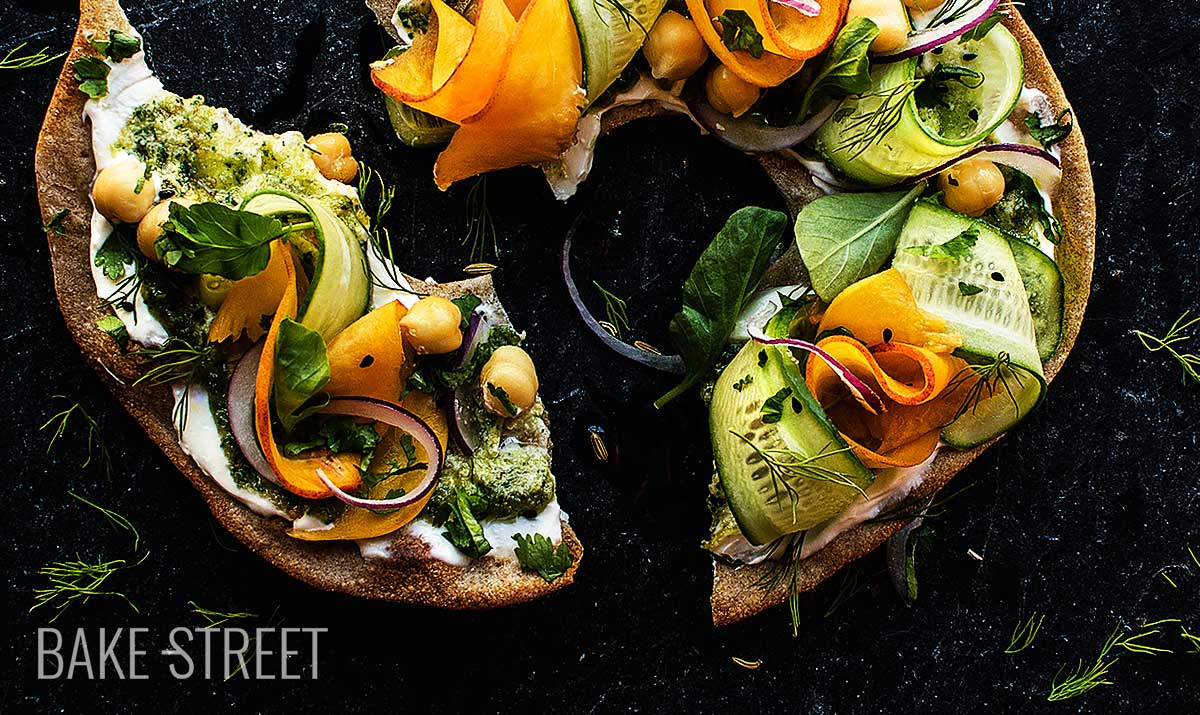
<point x="211" y="238"/>
<point x="538" y="553"/>
<point x="92" y="76"/>
<point x="119" y="46"/>
<point x="846" y="70"/>
<point x="301" y="371"/>
<point x="846" y="237"/>
<point x="739" y="33"/>
<point x="715" y="292"/>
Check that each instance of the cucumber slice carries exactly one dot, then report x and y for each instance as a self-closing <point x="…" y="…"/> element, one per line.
<point x="994" y="321"/>
<point x="764" y="508"/>
<point x="416" y="128"/>
<point x="1044" y="286"/>
<point x="859" y="143"/>
<point x="610" y="33"/>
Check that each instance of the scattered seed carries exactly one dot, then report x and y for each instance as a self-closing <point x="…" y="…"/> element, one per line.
<point x="972" y="554"/>
<point x="479" y="269"/>
<point x="609" y="327"/>
<point x="747" y="664"/>
<point x="599" y="448"/>
<point x="646" y="347"/>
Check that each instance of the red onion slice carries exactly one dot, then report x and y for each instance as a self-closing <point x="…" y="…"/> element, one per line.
<point x="465" y="438"/>
<point x="666" y="363"/>
<point x="1040" y="165"/>
<point x="808" y="8"/>
<point x="398" y="417"/>
<point x="750" y="134"/>
<point x="860" y="389"/>
<point x="925" y="39"/>
<point x="478" y="330"/>
<point x="240" y="402"/>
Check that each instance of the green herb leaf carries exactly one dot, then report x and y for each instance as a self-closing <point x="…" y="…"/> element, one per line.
<point x="112" y="257"/>
<point x="211" y="238"/>
<point x="54" y="225"/>
<point x="435" y="374"/>
<point x="936" y="85"/>
<point x="743" y="383"/>
<point x="969" y="289"/>
<point x="1021" y="210"/>
<point x="92" y="75"/>
<point x="115" y="327"/>
<point x="846" y="70"/>
<point x="715" y="292"/>
<point x="981" y="30"/>
<point x="301" y="371"/>
<point x="119" y="46"/>
<point x="958" y="247"/>
<point x="338" y="434"/>
<point x="537" y="553"/>
<point x="739" y="33"/>
<point x="466" y="305"/>
<point x="1050" y="134"/>
<point x="463" y="529"/>
<point x="844" y="238"/>
<point x="772" y="409"/>
<point x="500" y="394"/>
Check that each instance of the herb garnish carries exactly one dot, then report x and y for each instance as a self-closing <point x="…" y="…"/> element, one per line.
<point x="772" y="409"/>
<point x="718" y="287"/>
<point x="1024" y="633"/>
<point x="784" y="571"/>
<point x="981" y="30"/>
<point x="216" y="618"/>
<point x="13" y="61"/>
<point x="936" y="85"/>
<point x="739" y="33"/>
<point x="302" y="371"/>
<point x="338" y="434"/>
<point x="1190" y="362"/>
<point x="115" y="327"/>
<point x="615" y="309"/>
<point x="119" y="46"/>
<point x="954" y="249"/>
<point x="501" y="394"/>
<point x="626" y="15"/>
<point x="1050" y="134"/>
<point x="481" y="229"/>
<point x="847" y="68"/>
<point x="784" y="464"/>
<point x="986" y="380"/>
<point x="54" y="225"/>
<point x="379" y="236"/>
<point x="96" y="446"/>
<point x="177" y="361"/>
<point x="92" y="75"/>
<point x="119" y="522"/>
<point x="436" y="373"/>
<point x="77" y="582"/>
<point x="743" y="383"/>
<point x="212" y="238"/>
<point x="538" y="553"/>
<point x="463" y="529"/>
<point x="968" y="289"/>
<point x="864" y="129"/>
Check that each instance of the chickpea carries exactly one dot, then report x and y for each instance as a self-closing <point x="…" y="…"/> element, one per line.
<point x="922" y="5"/>
<point x="432" y="326"/>
<point x="116" y="192"/>
<point x="333" y="157"/>
<point x="674" y="47"/>
<point x="150" y="227"/>
<point x="891" y="18"/>
<point x="509" y="372"/>
<point x="972" y="187"/>
<point x="213" y="290"/>
<point x="728" y="93"/>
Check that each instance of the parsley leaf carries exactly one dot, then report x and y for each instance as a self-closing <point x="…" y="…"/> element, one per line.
<point x="112" y="257"/>
<point x="969" y="289"/>
<point x="739" y="33"/>
<point x="211" y="238"/>
<point x="463" y="529"/>
<point x="119" y="46"/>
<point x="338" y="434"/>
<point x="92" y="76"/>
<point x="1050" y="134"/>
<point x="538" y="553"/>
<point x="301" y="371"/>
<point x="466" y="305"/>
<point x="55" y="224"/>
<point x="115" y="327"/>
<point x="958" y="247"/>
<point x="772" y="409"/>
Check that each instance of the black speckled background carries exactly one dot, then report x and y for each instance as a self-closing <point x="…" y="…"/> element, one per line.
<point x="1078" y="514"/>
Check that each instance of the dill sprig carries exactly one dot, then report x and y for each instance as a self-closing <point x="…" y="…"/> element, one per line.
<point x="1024" y="633"/>
<point x="177" y="362"/>
<point x="78" y="581"/>
<point x="216" y="618"/>
<point x="784" y="571"/>
<point x="952" y="11"/>
<point x="380" y="238"/>
<point x="96" y="446"/>
<point x="1190" y="362"/>
<point x="1192" y="640"/>
<point x="785" y="463"/>
<point x="933" y="508"/>
<point x="864" y="129"/>
<point x="615" y="309"/>
<point x="625" y="14"/>
<point x="481" y="228"/>
<point x="1085" y="677"/>
<point x="854" y="580"/>
<point x="118" y="521"/>
<point x="15" y="61"/>
<point x="984" y="381"/>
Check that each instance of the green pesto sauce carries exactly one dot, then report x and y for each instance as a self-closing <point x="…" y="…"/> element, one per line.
<point x="205" y="154"/>
<point x="724" y="525"/>
<point x="501" y="481"/>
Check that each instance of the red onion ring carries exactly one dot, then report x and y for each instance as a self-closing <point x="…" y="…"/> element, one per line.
<point x="861" y="391"/>
<point x="1040" y="165"/>
<point x="666" y="363"/>
<point x="478" y="329"/>
<point x="389" y="414"/>
<point x="464" y="437"/>
<point x="240" y="403"/>
<point x="751" y="135"/>
<point x="927" y="38"/>
<point x="808" y="8"/>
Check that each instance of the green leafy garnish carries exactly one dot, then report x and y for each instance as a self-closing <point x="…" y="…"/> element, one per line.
<point x="214" y="619"/>
<point x="78" y="581"/>
<point x="481" y="229"/>
<point x="466" y="305"/>
<point x="847" y="69"/>
<point x="54" y="225"/>
<point x="337" y="434"/>
<point x="1022" y="209"/>
<point x="301" y="371"/>
<point x="115" y="327"/>
<point x="437" y="374"/>
<point x="615" y="309"/>
<point x="1190" y="362"/>
<point x="537" y="553"/>
<point x="864" y="129"/>
<point x="119" y="46"/>
<point x="844" y="238"/>
<point x="96" y="446"/>
<point x="936" y="85"/>
<point x="955" y="249"/>
<point x="968" y="289"/>
<point x="463" y="529"/>
<point x="119" y="522"/>
<point x="112" y="257"/>
<point x="92" y="75"/>
<point x="718" y="287"/>
<point x="212" y="238"/>
<point x="739" y="33"/>
<point x="15" y="61"/>
<point x="1050" y="134"/>
<point x="772" y="409"/>
<point x="1024" y="633"/>
<point x="981" y="30"/>
<point x="500" y="394"/>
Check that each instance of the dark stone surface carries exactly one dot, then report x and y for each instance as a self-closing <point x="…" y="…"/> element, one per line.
<point x="1076" y="514"/>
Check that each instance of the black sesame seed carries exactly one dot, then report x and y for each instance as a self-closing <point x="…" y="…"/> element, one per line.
<point x="998" y="276"/>
<point x="367" y="361"/>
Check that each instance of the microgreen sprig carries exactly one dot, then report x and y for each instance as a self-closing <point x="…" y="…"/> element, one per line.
<point x="615" y="309"/>
<point x="1190" y="362"/>
<point x="786" y="463"/>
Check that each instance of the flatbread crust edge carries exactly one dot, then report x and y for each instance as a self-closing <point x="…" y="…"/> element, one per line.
<point x="64" y="169"/>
